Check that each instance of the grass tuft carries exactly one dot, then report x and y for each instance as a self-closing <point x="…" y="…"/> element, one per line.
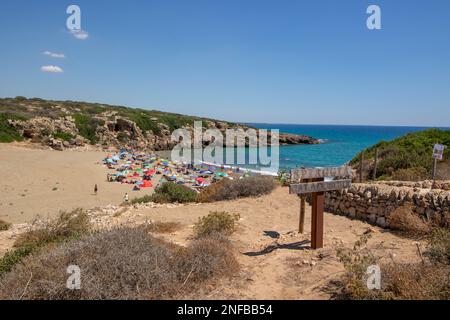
<point x="216" y="222"/>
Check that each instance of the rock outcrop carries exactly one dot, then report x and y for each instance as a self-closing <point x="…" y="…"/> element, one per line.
<point x="113" y="131"/>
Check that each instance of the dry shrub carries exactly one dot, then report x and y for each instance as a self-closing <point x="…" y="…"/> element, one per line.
<point x="125" y="263"/>
<point x="208" y="257"/>
<point x="216" y="222"/>
<point x="13" y="257"/>
<point x="407" y="221"/>
<point x="213" y="192"/>
<point x="162" y="227"/>
<point x="356" y="261"/>
<point x="66" y="226"/>
<point x="420" y="281"/>
<point x="439" y="246"/>
<point x="411" y="174"/>
<point x="428" y="280"/>
<point x="227" y="189"/>
<point x="4" y="225"/>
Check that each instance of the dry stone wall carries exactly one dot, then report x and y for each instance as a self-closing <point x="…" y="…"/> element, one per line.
<point x="375" y="202"/>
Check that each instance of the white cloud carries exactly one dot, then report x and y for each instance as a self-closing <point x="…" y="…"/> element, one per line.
<point x="52" y="69"/>
<point x="80" y="34"/>
<point x="54" y="54"/>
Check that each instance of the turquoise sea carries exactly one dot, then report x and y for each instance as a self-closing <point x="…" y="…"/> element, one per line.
<point x="340" y="143"/>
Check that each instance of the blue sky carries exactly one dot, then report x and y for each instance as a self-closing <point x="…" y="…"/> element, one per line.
<point x="306" y="62"/>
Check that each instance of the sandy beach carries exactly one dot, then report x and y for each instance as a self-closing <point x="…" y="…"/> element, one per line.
<point x="43" y="182"/>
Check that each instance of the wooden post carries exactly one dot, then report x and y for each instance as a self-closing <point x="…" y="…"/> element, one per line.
<point x="376" y="165"/>
<point x="434" y="173"/>
<point x="301" y="223"/>
<point x="311" y="181"/>
<point x="361" y="161"/>
<point x="318" y="200"/>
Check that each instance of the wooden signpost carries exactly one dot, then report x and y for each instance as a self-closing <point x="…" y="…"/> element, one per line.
<point x="311" y="181"/>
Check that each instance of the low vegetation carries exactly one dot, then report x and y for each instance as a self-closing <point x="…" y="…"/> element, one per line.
<point x="426" y="280"/>
<point x="162" y="227"/>
<point x="123" y="263"/>
<point x="439" y="246"/>
<point x="411" y="174"/>
<point x="405" y="220"/>
<point x="404" y="158"/>
<point x="170" y="192"/>
<point x="14" y="257"/>
<point x="87" y="126"/>
<point x="65" y="136"/>
<point x="239" y="188"/>
<point x="68" y="226"/>
<point x="144" y="199"/>
<point x="7" y="132"/>
<point x="225" y="189"/>
<point x="217" y="222"/>
<point x="4" y="225"/>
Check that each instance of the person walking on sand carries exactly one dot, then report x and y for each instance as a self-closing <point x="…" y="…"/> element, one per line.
<point x="95" y="189"/>
<point x="125" y="197"/>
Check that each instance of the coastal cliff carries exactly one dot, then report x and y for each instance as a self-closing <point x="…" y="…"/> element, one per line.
<point x="68" y="124"/>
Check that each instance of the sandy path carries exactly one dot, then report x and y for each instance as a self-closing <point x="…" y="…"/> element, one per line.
<point x="43" y="182"/>
<point x="293" y="271"/>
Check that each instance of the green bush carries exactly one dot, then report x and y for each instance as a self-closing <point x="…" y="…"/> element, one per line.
<point x="87" y="126"/>
<point x="171" y="192"/>
<point x="144" y="199"/>
<point x="13" y="257"/>
<point x="7" y="132"/>
<point x="63" y="135"/>
<point x="142" y="119"/>
<point x="216" y="222"/>
<point x="407" y="157"/>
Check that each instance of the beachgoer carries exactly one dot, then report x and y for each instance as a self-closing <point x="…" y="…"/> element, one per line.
<point x="125" y="197"/>
<point x="95" y="189"/>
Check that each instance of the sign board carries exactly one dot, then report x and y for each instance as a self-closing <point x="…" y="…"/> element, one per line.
<point x="314" y="173"/>
<point x="322" y="186"/>
<point x="311" y="181"/>
<point x="438" y="151"/>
